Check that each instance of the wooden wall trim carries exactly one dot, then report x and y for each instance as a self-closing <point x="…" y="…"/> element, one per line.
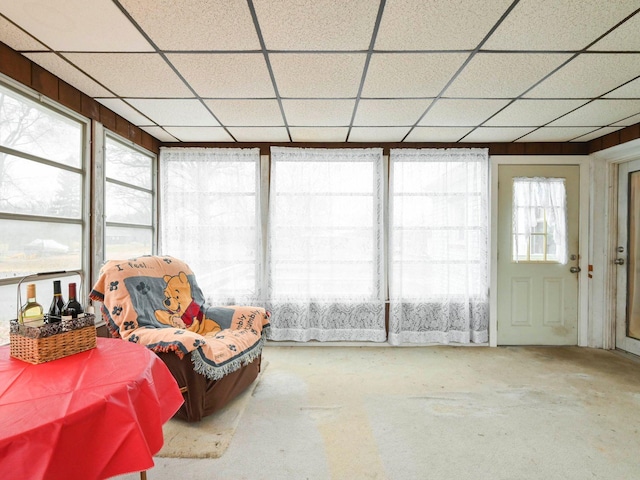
<point x="30" y="74"/>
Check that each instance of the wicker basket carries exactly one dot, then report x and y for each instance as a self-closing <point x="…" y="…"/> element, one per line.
<point x="52" y="341"/>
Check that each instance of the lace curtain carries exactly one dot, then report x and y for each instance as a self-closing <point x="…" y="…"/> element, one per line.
<point x="439" y="279"/>
<point x="539" y="219"/>
<point x="210" y="218"/>
<point x="325" y="270"/>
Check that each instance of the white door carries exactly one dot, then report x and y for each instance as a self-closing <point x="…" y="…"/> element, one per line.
<point x="538" y="254"/>
<point x="628" y="259"/>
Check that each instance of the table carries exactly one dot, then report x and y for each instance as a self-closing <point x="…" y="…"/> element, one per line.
<point x="92" y="415"/>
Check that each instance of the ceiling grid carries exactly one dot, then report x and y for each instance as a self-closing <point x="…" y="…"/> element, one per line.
<point x="334" y="71"/>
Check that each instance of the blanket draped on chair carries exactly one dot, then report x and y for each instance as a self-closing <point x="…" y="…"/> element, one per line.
<point x="156" y="301"/>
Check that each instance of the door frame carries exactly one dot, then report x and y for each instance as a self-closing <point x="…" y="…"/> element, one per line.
<point x="583" y="287"/>
<point x="608" y="164"/>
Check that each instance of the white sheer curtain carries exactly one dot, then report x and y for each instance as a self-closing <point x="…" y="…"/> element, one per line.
<point x="438" y="251"/>
<point x="210" y="218"/>
<point x="539" y="219"/>
<point x="325" y="270"/>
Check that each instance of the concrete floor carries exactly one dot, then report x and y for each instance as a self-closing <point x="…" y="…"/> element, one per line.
<point x="433" y="413"/>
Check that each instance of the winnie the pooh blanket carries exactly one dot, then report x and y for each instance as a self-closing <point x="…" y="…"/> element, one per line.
<point x="156" y="301"/>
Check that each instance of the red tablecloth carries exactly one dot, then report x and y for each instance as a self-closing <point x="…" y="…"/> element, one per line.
<point x="92" y="415"/>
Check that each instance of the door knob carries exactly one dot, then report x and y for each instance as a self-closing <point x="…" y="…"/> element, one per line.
<point x="575" y="269"/>
<point x="619" y="261"/>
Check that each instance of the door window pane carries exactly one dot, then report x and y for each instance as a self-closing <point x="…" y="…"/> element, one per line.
<point x="539" y="227"/>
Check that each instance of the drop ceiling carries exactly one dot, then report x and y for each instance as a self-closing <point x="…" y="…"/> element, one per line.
<point x="344" y="71"/>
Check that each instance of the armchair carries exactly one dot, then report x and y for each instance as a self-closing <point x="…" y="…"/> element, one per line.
<point x="214" y="353"/>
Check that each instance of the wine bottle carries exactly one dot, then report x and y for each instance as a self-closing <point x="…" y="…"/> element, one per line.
<point x="31" y="313"/>
<point x="72" y="307"/>
<point x="57" y="304"/>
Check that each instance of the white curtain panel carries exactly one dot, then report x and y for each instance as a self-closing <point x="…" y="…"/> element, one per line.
<point x="325" y="270"/>
<point x="438" y="251"/>
<point x="210" y="218"/>
<point x="539" y="211"/>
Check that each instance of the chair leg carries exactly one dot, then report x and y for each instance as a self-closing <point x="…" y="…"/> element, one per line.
<point x="143" y="475"/>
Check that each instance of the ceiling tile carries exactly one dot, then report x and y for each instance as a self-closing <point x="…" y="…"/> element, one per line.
<point x="556" y="134"/>
<point x="319" y="134"/>
<point x="437" y="24"/>
<point x="317" y="25"/>
<point x="69" y="73"/>
<point x="569" y="82"/>
<point x="557" y="24"/>
<point x="200" y="134"/>
<point x="225" y="75"/>
<point x="18" y="39"/>
<point x="260" y="134"/>
<point x="318" y="112"/>
<point x="125" y="111"/>
<point x="378" y="134"/>
<point x="318" y="75"/>
<point x="159" y="133"/>
<point x="628" y="121"/>
<point x="174" y="112"/>
<point x="496" y="134"/>
<point x="532" y="113"/>
<point x="410" y="74"/>
<point x="132" y="74"/>
<point x="196" y="24"/>
<point x="389" y="112"/>
<point x="502" y="75"/>
<point x="596" y="134"/>
<point x="456" y="112"/>
<point x="629" y="90"/>
<point x="599" y="113"/>
<point x="247" y="113"/>
<point x="624" y="38"/>
<point x="437" y="134"/>
<point x="77" y="25"/>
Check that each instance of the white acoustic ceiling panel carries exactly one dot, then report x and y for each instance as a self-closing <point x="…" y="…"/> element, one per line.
<point x="599" y="112"/>
<point x="378" y="134"/>
<point x="319" y="134"/>
<point x="132" y="74"/>
<point x="200" y="134"/>
<point x="318" y="112"/>
<point x="318" y="75"/>
<point x="437" y="24"/>
<point x="385" y="113"/>
<point x="556" y="134"/>
<point x="531" y="113"/>
<point x="496" y="134"/>
<point x="253" y="112"/>
<point x="410" y="74"/>
<point x="69" y="73"/>
<point x="461" y="112"/>
<point x="557" y="24"/>
<point x="628" y="90"/>
<point x="628" y="121"/>
<point x="501" y="75"/>
<point x="17" y="38"/>
<point x="195" y="24"/>
<point x="317" y="25"/>
<point x="624" y="38"/>
<point x="588" y="76"/>
<point x="225" y="75"/>
<point x="77" y="25"/>
<point x="596" y="133"/>
<point x="437" y="134"/>
<point x="259" y="134"/>
<point x="159" y="133"/>
<point x="174" y="112"/>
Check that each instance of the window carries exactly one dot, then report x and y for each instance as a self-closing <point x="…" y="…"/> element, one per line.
<point x="43" y="182"/>
<point x="211" y="219"/>
<point x="539" y="220"/>
<point x="325" y="271"/>
<point x="129" y="199"/>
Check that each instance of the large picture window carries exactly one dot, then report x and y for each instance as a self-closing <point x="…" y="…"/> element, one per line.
<point x="129" y="200"/>
<point x="325" y="271"/>
<point x="43" y="205"/>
